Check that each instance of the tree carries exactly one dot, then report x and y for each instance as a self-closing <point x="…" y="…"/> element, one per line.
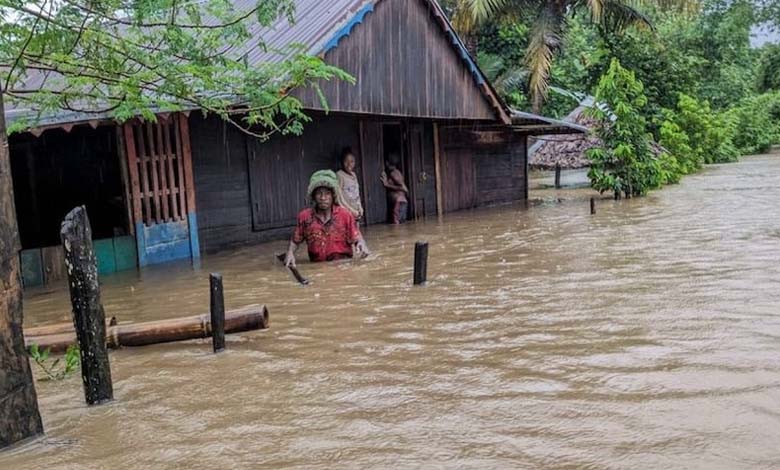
<point x="769" y="68"/>
<point x="130" y="58"/>
<point x="624" y="162"/>
<point x="551" y="20"/>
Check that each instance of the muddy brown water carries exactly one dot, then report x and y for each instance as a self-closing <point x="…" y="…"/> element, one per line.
<point x="647" y="336"/>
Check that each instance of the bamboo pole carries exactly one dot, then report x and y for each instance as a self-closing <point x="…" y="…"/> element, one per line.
<point x="253" y="317"/>
<point x="57" y="328"/>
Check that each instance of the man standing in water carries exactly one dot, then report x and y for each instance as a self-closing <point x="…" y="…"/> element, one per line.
<point x="329" y="230"/>
<point x="393" y="181"/>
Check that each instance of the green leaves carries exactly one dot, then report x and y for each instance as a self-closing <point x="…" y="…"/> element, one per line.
<point x="56" y="370"/>
<point x="624" y="164"/>
<point x="140" y="57"/>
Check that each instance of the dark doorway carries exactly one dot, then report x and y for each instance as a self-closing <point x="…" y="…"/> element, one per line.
<point x="393" y="149"/>
<point x="58" y="171"/>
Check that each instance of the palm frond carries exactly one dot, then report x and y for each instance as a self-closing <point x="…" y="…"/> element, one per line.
<point x="688" y="7"/>
<point x="492" y="65"/>
<point x="619" y="15"/>
<point x="483" y="9"/>
<point x="469" y="13"/>
<point x="544" y="43"/>
<point x="596" y="8"/>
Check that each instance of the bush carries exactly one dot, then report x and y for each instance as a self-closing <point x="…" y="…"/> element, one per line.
<point x="757" y="123"/>
<point x="677" y="144"/>
<point x="624" y="163"/>
<point x="710" y="134"/>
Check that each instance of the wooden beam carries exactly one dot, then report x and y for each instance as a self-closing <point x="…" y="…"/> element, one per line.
<point x="153" y="169"/>
<point x="437" y="165"/>
<point x="186" y="156"/>
<point x="252" y="317"/>
<point x="121" y="151"/>
<point x="132" y="167"/>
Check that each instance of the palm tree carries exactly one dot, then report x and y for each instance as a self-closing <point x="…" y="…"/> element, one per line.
<point x="551" y="18"/>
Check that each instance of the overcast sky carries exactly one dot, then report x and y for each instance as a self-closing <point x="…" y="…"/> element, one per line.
<point x="762" y="36"/>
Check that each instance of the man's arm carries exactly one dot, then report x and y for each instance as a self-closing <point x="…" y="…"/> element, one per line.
<point x="362" y="247"/>
<point x="289" y="258"/>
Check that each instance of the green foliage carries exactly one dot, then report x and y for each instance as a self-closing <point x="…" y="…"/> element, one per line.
<point x="678" y="145"/>
<point x="757" y="120"/>
<point x="128" y="58"/>
<point x="710" y="134"/>
<point x="55" y="370"/>
<point x="769" y="68"/>
<point x="550" y="22"/>
<point x="624" y="163"/>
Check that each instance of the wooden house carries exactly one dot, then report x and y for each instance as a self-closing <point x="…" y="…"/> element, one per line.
<point x="189" y="183"/>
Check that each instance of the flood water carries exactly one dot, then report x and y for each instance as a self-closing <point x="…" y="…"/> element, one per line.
<point x="646" y="336"/>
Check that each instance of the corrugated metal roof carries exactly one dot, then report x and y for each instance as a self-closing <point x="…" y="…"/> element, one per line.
<point x="318" y="26"/>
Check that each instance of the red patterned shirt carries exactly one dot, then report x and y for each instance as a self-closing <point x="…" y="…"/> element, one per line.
<point x="327" y="241"/>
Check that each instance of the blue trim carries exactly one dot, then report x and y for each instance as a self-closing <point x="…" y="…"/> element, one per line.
<point x="347" y="28"/>
<point x="140" y="241"/>
<point x="164" y="242"/>
<point x="464" y="54"/>
<point x="192" y="218"/>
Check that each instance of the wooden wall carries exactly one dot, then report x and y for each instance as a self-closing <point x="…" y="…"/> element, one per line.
<point x="405" y="65"/>
<point x="250" y="191"/>
<point x="481" y="168"/>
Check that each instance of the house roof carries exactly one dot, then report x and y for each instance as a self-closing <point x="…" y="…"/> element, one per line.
<point x="319" y="26"/>
<point x="569" y="151"/>
<point x="565" y="151"/>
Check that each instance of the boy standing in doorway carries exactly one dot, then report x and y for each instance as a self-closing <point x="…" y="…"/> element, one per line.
<point x="393" y="181"/>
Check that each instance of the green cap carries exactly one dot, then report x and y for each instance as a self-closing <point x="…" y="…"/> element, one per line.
<point x="327" y="179"/>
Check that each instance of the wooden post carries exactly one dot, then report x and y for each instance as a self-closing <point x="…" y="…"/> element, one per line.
<point x="19" y="415"/>
<point x="592" y="206"/>
<point x="217" y="312"/>
<point x="88" y="316"/>
<point x="557" y="177"/>
<point x="437" y="169"/>
<point x="420" y="263"/>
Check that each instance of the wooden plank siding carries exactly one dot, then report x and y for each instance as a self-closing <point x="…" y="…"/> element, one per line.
<point x="250" y="191"/>
<point x="404" y="65"/>
<point x="481" y="168"/>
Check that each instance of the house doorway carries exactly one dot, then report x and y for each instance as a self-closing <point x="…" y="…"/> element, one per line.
<point x="393" y="151"/>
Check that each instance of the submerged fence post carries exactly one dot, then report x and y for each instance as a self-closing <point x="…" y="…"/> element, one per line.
<point x="557" y="177"/>
<point x="217" y="312"/>
<point x="89" y="319"/>
<point x="592" y="206"/>
<point x="420" y="263"/>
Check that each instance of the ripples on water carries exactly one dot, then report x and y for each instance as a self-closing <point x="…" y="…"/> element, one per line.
<point x="647" y="336"/>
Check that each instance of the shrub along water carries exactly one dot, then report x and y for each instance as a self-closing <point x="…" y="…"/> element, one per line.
<point x="624" y="163"/>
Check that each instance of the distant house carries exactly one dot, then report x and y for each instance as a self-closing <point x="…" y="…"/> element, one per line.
<point x="162" y="191"/>
<point x="564" y="152"/>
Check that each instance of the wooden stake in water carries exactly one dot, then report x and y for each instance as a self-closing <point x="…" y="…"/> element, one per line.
<point x="420" y="263"/>
<point x="217" y="312"/>
<point x="89" y="319"/>
<point x="592" y="206"/>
